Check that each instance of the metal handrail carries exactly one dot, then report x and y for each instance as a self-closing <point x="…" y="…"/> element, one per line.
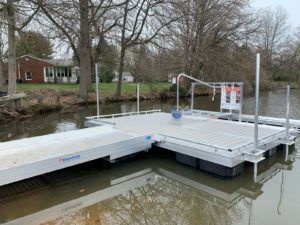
<point x="122" y="114"/>
<point x="191" y="78"/>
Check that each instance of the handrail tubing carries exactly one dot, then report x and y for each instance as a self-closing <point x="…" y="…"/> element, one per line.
<point x="122" y="114"/>
<point x="191" y="78"/>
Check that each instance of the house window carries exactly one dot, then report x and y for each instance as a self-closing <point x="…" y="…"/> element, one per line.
<point x="58" y="72"/>
<point x="62" y="71"/>
<point x="49" y="71"/>
<point x="28" y="76"/>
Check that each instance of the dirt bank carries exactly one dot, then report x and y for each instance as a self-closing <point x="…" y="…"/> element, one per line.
<point x="49" y="100"/>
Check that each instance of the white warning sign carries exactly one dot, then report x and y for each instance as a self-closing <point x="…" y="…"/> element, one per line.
<point x="231" y="98"/>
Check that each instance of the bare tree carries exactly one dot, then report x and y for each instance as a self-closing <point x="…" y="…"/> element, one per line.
<point x="142" y="22"/>
<point x="273" y="32"/>
<point x="206" y="33"/>
<point x="96" y="20"/>
<point x="2" y="80"/>
<point x="85" y="49"/>
<point x="10" y="13"/>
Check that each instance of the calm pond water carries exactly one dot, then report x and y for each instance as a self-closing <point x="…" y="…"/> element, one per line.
<point x="152" y="188"/>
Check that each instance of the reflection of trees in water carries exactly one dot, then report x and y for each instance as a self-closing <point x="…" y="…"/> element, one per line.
<point x="162" y="202"/>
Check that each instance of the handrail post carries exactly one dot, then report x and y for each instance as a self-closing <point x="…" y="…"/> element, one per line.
<point x="177" y="92"/>
<point x="287" y="125"/>
<point x="97" y="89"/>
<point x="138" y="98"/>
<point x="192" y="97"/>
<point x="256" y="101"/>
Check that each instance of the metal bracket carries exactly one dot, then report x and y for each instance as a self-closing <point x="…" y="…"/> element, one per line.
<point x="254" y="157"/>
<point x="290" y="140"/>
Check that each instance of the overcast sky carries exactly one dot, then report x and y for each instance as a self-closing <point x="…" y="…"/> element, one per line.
<point x="292" y="7"/>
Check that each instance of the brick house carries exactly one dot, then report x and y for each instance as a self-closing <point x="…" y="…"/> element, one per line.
<point x="31" y="69"/>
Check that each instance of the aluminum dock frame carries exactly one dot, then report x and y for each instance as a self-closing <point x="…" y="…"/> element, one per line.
<point x="208" y="143"/>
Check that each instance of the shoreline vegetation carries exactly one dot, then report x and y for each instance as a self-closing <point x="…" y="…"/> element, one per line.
<point x="45" y="98"/>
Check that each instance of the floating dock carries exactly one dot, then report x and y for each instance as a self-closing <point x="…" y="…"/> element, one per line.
<point x="205" y="142"/>
<point x="208" y="143"/>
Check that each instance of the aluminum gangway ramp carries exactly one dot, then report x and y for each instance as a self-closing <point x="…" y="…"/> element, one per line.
<point x="25" y="158"/>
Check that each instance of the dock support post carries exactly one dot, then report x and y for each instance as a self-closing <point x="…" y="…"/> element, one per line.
<point x="256" y="102"/>
<point x="97" y="89"/>
<point x="286" y="153"/>
<point x="287" y="124"/>
<point x="255" y="172"/>
<point x="138" y="98"/>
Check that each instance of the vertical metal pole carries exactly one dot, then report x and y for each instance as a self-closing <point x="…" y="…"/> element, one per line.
<point x="231" y="85"/>
<point x="177" y="93"/>
<point x="256" y="102"/>
<point x="97" y="89"/>
<point x="241" y="100"/>
<point x="222" y="96"/>
<point x="255" y="172"/>
<point x="287" y="124"/>
<point x="138" y="97"/>
<point x="192" y="97"/>
<point x="286" y="153"/>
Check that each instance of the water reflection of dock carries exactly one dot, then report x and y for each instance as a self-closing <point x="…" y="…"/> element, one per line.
<point x="161" y="184"/>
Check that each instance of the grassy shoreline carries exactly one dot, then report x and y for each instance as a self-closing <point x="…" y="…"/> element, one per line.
<point x="282" y="85"/>
<point x="109" y="88"/>
<point x="44" y="98"/>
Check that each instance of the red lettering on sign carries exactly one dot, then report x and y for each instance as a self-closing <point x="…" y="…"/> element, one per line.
<point x="229" y="89"/>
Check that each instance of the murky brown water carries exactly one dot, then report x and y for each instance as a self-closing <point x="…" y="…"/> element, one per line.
<point x="153" y="188"/>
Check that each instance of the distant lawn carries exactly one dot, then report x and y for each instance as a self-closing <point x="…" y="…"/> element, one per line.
<point x="127" y="88"/>
<point x="283" y="84"/>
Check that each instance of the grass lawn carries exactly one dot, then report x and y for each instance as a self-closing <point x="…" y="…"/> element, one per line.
<point x="127" y="88"/>
<point x="283" y="84"/>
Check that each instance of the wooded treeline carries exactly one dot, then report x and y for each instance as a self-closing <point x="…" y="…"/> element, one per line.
<point x="213" y="40"/>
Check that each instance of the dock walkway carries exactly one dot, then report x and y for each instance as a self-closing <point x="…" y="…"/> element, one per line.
<point x="30" y="157"/>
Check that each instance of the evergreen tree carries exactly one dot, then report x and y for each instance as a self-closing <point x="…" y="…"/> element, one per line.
<point x="33" y="43"/>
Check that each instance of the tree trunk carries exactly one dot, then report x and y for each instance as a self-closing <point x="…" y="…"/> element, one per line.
<point x="12" y="86"/>
<point x="123" y="50"/>
<point x="120" y="71"/>
<point x="2" y="80"/>
<point x="85" y="50"/>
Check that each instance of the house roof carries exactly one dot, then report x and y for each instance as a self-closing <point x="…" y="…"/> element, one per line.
<point x="60" y="62"/>
<point x="54" y="62"/>
<point x="125" y="74"/>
